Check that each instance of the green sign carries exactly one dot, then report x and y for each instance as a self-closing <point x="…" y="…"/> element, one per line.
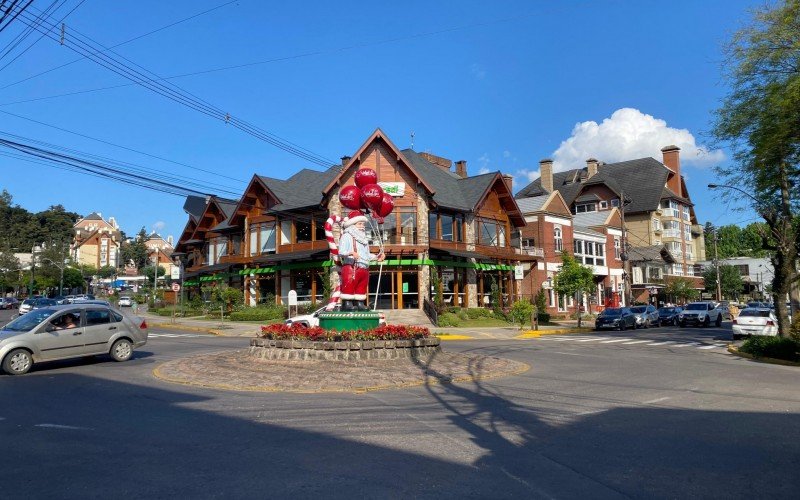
<point x="405" y="287"/>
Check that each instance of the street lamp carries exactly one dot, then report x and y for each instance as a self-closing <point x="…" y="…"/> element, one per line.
<point x="36" y="249"/>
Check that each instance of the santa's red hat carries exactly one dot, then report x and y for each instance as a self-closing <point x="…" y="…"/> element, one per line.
<point x="353" y="217"/>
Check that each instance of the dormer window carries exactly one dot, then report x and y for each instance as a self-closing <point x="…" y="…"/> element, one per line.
<point x="585" y="207"/>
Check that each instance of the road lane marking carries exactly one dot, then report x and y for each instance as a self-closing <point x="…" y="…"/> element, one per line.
<point x="615" y="340"/>
<point x="710" y="346"/>
<point x="687" y="345"/>
<point x="663" y="343"/>
<point x="590" y="340"/>
<point x="67" y="427"/>
<point x="636" y="342"/>
<point x="652" y="401"/>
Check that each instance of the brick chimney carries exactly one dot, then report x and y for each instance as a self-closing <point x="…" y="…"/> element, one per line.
<point x="345" y="159"/>
<point x="591" y="167"/>
<point x="546" y="172"/>
<point x="439" y="161"/>
<point x="461" y="168"/>
<point x="672" y="160"/>
<point x="509" y="180"/>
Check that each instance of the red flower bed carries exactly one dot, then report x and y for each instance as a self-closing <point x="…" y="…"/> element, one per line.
<point x="385" y="332"/>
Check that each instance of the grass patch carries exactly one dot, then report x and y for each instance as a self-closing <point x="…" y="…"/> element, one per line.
<point x="483" y="322"/>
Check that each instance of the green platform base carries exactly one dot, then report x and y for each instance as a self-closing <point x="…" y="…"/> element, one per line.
<point x="345" y="320"/>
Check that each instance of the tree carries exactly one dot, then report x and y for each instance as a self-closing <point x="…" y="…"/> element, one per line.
<point x="9" y="269"/>
<point x="760" y="120"/>
<point x="735" y="241"/>
<point x="106" y="271"/>
<point x="573" y="279"/>
<point x="147" y="271"/>
<point x="135" y="250"/>
<point x="731" y="282"/>
<point x="681" y="290"/>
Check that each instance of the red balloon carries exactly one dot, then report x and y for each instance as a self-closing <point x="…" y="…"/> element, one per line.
<point x="372" y="196"/>
<point x="387" y="205"/>
<point x="350" y="197"/>
<point x="365" y="177"/>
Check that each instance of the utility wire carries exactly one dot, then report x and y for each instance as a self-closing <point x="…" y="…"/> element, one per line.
<point x="130" y="40"/>
<point x="177" y="94"/>
<point x="10" y="46"/>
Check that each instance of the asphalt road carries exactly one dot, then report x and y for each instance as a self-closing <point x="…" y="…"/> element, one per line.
<point x="596" y="416"/>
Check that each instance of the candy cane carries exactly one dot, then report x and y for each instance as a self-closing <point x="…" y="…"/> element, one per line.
<point x="333" y="219"/>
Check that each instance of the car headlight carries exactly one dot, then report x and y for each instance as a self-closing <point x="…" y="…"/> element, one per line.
<point x="701" y="316"/>
<point x="615" y="321"/>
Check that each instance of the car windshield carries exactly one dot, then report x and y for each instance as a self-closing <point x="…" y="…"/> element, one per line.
<point x="614" y="311"/>
<point x="754" y="312"/>
<point x="639" y="309"/>
<point x="29" y="321"/>
<point x="667" y="310"/>
<point x="697" y="307"/>
<point x="27" y="302"/>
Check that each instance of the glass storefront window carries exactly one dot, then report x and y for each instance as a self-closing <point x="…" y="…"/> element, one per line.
<point x="488" y="232"/>
<point x="319" y="222"/>
<point x="236" y="242"/>
<point x="459" y="229"/>
<point x="254" y="240"/>
<point x="447" y="227"/>
<point x="286" y="232"/>
<point x="432" y="234"/>
<point x="408" y="225"/>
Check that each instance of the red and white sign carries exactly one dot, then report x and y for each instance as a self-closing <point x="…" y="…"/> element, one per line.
<point x="176" y="287"/>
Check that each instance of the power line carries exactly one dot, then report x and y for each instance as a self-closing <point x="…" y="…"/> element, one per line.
<point x="130" y="40"/>
<point x="177" y="94"/>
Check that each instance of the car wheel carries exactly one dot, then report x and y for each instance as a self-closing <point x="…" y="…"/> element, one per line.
<point x="674" y="321"/>
<point x="706" y="322"/>
<point x="17" y="362"/>
<point x="682" y="324"/>
<point x="122" y="350"/>
<point x="718" y="323"/>
<point x="735" y="336"/>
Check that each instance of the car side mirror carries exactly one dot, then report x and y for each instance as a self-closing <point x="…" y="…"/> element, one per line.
<point x="50" y="328"/>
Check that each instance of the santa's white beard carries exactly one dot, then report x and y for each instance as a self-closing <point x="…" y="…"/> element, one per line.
<point x="360" y="235"/>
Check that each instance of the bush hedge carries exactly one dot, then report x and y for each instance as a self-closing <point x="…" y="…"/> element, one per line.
<point x="762" y="346"/>
<point x="449" y="319"/>
<point x="259" y="313"/>
<point x="386" y="332"/>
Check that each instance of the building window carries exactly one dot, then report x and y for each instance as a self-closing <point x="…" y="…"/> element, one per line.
<point x="585" y="207"/>
<point x="686" y="214"/>
<point x="459" y="228"/>
<point x="488" y="234"/>
<point x="286" y="232"/>
<point x="672" y="229"/>
<point x="433" y="220"/>
<point x="253" y="240"/>
<point x="319" y="223"/>
<point x="603" y="205"/>
<point x="656" y="225"/>
<point x="528" y="243"/>
<point x="302" y="231"/>
<point x="408" y="225"/>
<point x="447" y="227"/>
<point x="616" y="248"/>
<point x="267" y="238"/>
<point x="235" y="245"/>
<point x="599" y="254"/>
<point x="687" y="232"/>
<point x="615" y="202"/>
<point x="557" y="238"/>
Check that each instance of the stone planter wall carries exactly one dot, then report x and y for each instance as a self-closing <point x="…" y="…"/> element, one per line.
<point x="345" y="350"/>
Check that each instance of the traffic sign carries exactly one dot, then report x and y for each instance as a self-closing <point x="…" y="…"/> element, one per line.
<point x="176" y="287"/>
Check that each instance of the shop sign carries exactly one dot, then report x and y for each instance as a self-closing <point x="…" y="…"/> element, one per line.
<point x="175" y="273"/>
<point x="396" y="189"/>
<point x="519" y="272"/>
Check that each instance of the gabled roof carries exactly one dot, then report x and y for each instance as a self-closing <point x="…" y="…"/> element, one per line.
<point x="303" y="189"/>
<point x="594" y="219"/>
<point x="532" y="203"/>
<point x="585" y="230"/>
<point x="654" y="253"/>
<point x="642" y="181"/>
<point x="195" y="206"/>
<point x="93" y="216"/>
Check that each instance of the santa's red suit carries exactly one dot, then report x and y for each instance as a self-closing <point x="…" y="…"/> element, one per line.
<point x="355" y="256"/>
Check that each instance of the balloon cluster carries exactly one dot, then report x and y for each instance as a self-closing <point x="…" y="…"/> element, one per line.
<point x="367" y="195"/>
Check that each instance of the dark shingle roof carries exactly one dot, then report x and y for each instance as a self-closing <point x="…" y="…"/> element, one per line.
<point x="654" y="253"/>
<point x="93" y="216"/>
<point x="303" y="189"/>
<point x="228" y="209"/>
<point x="641" y="180"/>
<point x="195" y="206"/>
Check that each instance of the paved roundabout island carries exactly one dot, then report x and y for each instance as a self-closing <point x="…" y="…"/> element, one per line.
<point x="240" y="370"/>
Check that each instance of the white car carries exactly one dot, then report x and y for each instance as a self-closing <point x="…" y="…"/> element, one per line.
<point x="309" y="320"/>
<point x="755" y="321"/>
<point x="701" y="314"/>
<point x="125" y="302"/>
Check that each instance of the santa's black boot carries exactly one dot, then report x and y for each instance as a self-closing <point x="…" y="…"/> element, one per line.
<point x="361" y="306"/>
<point x="347" y="305"/>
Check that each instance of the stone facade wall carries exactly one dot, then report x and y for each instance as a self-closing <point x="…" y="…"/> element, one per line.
<point x="306" y="350"/>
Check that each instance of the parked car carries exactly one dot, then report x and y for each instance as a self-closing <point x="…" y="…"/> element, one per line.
<point x="700" y="313"/>
<point x="9" y="303"/>
<point x="755" y="321"/>
<point x="125" y="302"/>
<point x="759" y="305"/>
<point x="669" y="315"/>
<point x="646" y="316"/>
<point x="615" y="318"/>
<point x="310" y="320"/>
<point x="68" y="331"/>
<point x="725" y="310"/>
<point x="31" y="304"/>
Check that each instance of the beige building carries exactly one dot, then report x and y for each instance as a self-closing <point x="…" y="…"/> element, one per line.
<point x="96" y="242"/>
<point x="155" y="243"/>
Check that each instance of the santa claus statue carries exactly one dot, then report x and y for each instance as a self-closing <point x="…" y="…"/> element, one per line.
<point x="355" y="258"/>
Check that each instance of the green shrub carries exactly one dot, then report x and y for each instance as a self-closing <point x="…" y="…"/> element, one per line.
<point x="258" y="314"/>
<point x="762" y="346"/>
<point x="462" y="315"/>
<point x="521" y="312"/>
<point x="449" y="319"/>
<point x="478" y="312"/>
<point x="543" y="317"/>
<point x="794" y="330"/>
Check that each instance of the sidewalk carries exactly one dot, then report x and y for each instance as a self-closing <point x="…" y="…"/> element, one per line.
<point x="239" y="329"/>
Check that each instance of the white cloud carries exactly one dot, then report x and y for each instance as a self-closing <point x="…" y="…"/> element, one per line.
<point x="477" y="71"/>
<point x="506" y="154"/>
<point x="627" y="135"/>
<point x="483" y="164"/>
<point x="523" y="177"/>
<point x="158" y="226"/>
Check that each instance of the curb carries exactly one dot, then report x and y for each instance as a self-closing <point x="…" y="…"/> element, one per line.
<point x="772" y="361"/>
<point x="452" y="336"/>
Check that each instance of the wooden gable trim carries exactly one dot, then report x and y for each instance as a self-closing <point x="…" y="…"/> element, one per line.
<point x="378" y="134"/>
<point x="556" y="196"/>
<point x="512" y="212"/>
<point x="213" y="203"/>
<point x="255" y="181"/>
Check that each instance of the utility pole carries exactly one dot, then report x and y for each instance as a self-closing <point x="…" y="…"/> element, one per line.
<point x="626" y="271"/>
<point x="716" y="264"/>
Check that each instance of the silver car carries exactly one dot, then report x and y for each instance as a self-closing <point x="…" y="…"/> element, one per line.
<point x="646" y="316"/>
<point x="68" y="331"/>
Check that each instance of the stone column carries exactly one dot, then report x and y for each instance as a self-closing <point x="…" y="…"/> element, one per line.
<point x="472" y="274"/>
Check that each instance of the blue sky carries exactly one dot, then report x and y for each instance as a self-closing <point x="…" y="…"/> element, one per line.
<point x="500" y="84"/>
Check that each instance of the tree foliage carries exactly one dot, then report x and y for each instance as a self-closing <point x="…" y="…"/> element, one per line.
<point x="760" y="121"/>
<point x="681" y="290"/>
<point x="736" y="241"/>
<point x="731" y="282"/>
<point x="135" y="250"/>
<point x="148" y="271"/>
<point x="21" y="229"/>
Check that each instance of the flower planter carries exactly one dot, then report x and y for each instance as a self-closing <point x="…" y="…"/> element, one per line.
<point x="287" y="350"/>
